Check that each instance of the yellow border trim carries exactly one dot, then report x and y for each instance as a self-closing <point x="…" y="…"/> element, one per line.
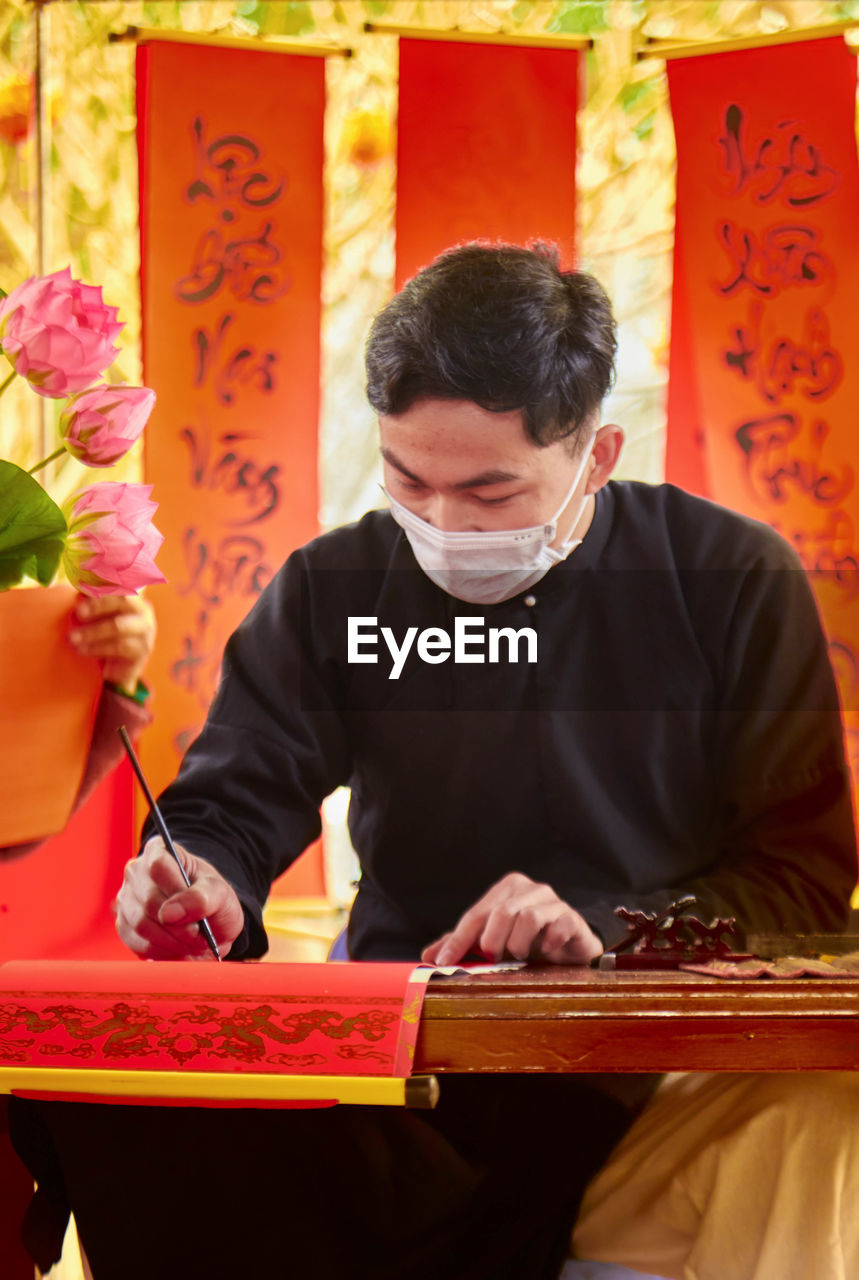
<point x="137" y="35"/>
<point x="478" y="37"/>
<point x="202" y="1085"/>
<point x="699" y="48"/>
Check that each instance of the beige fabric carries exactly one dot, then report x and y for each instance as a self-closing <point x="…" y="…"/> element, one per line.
<point x="734" y="1177"/>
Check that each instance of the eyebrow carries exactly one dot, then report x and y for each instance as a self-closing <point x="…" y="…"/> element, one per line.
<point x="480" y="481"/>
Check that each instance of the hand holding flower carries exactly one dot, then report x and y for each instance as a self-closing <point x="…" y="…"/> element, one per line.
<point x="117" y="630"/>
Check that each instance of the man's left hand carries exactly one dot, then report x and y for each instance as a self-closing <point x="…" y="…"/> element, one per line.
<point x="520" y="919"/>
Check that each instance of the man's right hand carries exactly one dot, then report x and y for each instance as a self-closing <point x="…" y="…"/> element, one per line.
<point x="157" y="914"/>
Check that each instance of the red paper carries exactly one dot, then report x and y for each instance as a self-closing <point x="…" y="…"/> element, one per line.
<point x="320" y="1019"/>
<point x="56" y="901"/>
<point x="486" y="147"/>
<point x="685" y="440"/>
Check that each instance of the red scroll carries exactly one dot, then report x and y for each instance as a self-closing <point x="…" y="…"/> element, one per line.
<point x="486" y="147"/>
<point x="231" y="233"/>
<point x="212" y="1035"/>
<point x="766" y="278"/>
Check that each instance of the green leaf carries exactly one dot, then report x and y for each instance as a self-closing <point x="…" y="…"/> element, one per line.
<point x="32" y="529"/>
<point x="77" y="202"/>
<point x="579" y="17"/>
<point x="98" y="111"/>
<point x="645" y="127"/>
<point x="295" y="18"/>
<point x="633" y="92"/>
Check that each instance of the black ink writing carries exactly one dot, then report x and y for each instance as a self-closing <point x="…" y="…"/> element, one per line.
<point x="783" y="366"/>
<point x="227" y="172"/>
<point x="195" y="653"/>
<point x="239" y="366"/>
<point x="783" y="256"/>
<point x="197" y="669"/>
<point x="828" y="551"/>
<point x="230" y="566"/>
<point x="779" y="463"/>
<point x="227" y="464"/>
<point x="784" y="164"/>
<point x="250" y="268"/>
<point x="845" y="665"/>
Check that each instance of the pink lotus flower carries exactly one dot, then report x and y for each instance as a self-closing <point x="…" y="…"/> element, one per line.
<point x="100" y="425"/>
<point x="112" y="541"/>
<point x="58" y="333"/>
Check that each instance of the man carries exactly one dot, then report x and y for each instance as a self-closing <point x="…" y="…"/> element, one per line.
<point x="675" y="733"/>
<point x="551" y="694"/>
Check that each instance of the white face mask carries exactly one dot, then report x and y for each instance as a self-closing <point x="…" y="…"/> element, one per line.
<point x="488" y="567"/>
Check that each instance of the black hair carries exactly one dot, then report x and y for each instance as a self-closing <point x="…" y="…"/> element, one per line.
<point x="502" y="326"/>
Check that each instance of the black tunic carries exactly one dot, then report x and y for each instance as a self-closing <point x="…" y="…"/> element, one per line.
<point x="679" y="731"/>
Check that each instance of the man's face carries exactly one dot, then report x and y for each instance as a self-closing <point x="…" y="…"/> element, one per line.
<point x="464" y="469"/>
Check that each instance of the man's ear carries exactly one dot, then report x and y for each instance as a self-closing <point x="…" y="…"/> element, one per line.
<point x="606" y="450"/>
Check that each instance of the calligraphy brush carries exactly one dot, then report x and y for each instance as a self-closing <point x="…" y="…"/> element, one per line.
<point x="205" y="927"/>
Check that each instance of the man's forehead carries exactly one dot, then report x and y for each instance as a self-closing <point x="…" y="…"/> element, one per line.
<point x="458" y="425"/>
<point x="481" y="447"/>
<point x="478" y="479"/>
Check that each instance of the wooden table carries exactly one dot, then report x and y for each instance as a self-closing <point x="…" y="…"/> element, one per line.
<point x="569" y="1020"/>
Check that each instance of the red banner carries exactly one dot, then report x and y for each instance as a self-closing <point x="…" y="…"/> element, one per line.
<point x="321" y="1019"/>
<point x="765" y="387"/>
<point x="486" y="147"/>
<point x="231" y="207"/>
<point x="57" y="900"/>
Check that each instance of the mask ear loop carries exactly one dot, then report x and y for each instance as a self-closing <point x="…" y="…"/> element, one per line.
<point x="567" y="546"/>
